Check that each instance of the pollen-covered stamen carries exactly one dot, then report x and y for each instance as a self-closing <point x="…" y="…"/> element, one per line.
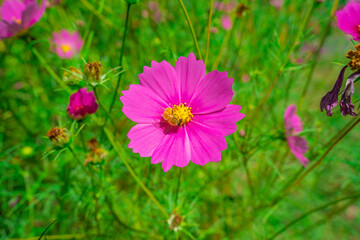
<point x="178" y="115"/>
<point x="354" y="56"/>
<point x="65" y="47"/>
<point x="17" y="20"/>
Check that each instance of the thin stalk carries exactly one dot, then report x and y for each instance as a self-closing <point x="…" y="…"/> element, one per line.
<point x="50" y="71"/>
<point x="282" y="67"/>
<point x="191" y="28"/>
<point x="178" y="187"/>
<point x="208" y="32"/>
<point x="121" y="56"/>
<point x="312" y="211"/>
<point x="103" y="107"/>
<point x="317" y="53"/>
<point x="318" y="162"/>
<point x="133" y="174"/>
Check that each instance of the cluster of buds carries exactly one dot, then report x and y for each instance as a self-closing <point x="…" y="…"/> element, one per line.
<point x="96" y="154"/>
<point x="354" y="57"/>
<point x="59" y="137"/>
<point x="91" y="74"/>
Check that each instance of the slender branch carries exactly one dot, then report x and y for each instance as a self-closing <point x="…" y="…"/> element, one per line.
<point x="191" y="28"/>
<point x="317" y="53"/>
<point x="208" y="32"/>
<point x="133" y="174"/>
<point x="121" y="57"/>
<point x="312" y="211"/>
<point x="178" y="187"/>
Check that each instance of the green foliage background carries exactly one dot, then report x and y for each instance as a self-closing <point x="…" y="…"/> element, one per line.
<point x="215" y="200"/>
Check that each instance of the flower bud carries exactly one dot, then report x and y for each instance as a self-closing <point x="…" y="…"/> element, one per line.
<point x="73" y="76"/>
<point x="92" y="71"/>
<point x="97" y="154"/>
<point x="59" y="137"/>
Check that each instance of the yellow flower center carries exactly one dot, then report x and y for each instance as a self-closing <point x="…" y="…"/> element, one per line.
<point x="179" y="115"/>
<point x="66" y="48"/>
<point x="18" y="21"/>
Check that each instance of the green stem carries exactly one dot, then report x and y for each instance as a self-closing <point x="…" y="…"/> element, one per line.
<point x="312" y="211"/>
<point x="208" y="32"/>
<point x="317" y="53"/>
<point x="191" y="28"/>
<point x="133" y="174"/>
<point x="317" y="163"/>
<point x="48" y="68"/>
<point x="121" y="56"/>
<point x="103" y="107"/>
<point x="178" y="187"/>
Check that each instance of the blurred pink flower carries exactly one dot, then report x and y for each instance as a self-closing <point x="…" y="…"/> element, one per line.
<point x="214" y="29"/>
<point x="349" y="20"/>
<point x="67" y="44"/>
<point x="293" y="126"/>
<point x="17" y="16"/>
<point x="224" y="7"/>
<point x="226" y="22"/>
<point x="183" y="113"/>
<point x="81" y="104"/>
<point x="277" y="3"/>
<point x="245" y="78"/>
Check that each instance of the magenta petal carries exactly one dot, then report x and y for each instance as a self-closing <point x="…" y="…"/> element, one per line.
<point x="11" y="9"/>
<point x="213" y="94"/>
<point x="298" y="146"/>
<point x="161" y="79"/>
<point x="142" y="105"/>
<point x="349" y="19"/>
<point x="292" y="121"/>
<point x="4" y="32"/>
<point x="28" y="14"/>
<point x="189" y="72"/>
<point x="206" y="143"/>
<point x="224" y="121"/>
<point x="145" y="138"/>
<point x="173" y="150"/>
<point x="40" y="11"/>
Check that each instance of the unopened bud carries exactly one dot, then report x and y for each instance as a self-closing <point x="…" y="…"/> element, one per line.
<point x="73" y="76"/>
<point x="59" y="137"/>
<point x="92" y="71"/>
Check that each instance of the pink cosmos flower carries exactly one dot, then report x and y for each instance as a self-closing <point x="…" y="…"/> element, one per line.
<point x="349" y="20"/>
<point x="226" y="22"/>
<point x="81" y="104"/>
<point x="277" y="3"/>
<point x="17" y="16"/>
<point x="67" y="44"/>
<point x="182" y="113"/>
<point x="293" y="126"/>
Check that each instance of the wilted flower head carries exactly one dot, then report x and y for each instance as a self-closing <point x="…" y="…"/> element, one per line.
<point x="346" y="105"/>
<point x="226" y="22"/>
<point x="73" y="76"/>
<point x="293" y="126"/>
<point x="174" y="221"/>
<point x="92" y="71"/>
<point x="96" y="154"/>
<point x="183" y="113"/>
<point x="81" y="104"/>
<point x="240" y="9"/>
<point x="67" y="44"/>
<point x="330" y="100"/>
<point x="59" y="137"/>
<point x="17" y="16"/>
<point x="349" y="20"/>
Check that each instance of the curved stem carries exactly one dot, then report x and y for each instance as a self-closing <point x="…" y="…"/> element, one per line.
<point x="208" y="32"/>
<point x="121" y="56"/>
<point x="312" y="211"/>
<point x="133" y="174"/>
<point x="191" y="28"/>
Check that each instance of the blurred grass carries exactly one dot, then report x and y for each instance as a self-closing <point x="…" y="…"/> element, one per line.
<point x="214" y="200"/>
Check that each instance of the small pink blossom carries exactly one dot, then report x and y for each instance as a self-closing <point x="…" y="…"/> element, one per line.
<point x="293" y="126"/>
<point x="348" y="20"/>
<point x="17" y="16"/>
<point x="224" y="7"/>
<point x="67" y="44"/>
<point x="81" y="104"/>
<point x="182" y="113"/>
<point x="245" y="78"/>
<point x="277" y="3"/>
<point x="226" y="22"/>
<point x="214" y="30"/>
